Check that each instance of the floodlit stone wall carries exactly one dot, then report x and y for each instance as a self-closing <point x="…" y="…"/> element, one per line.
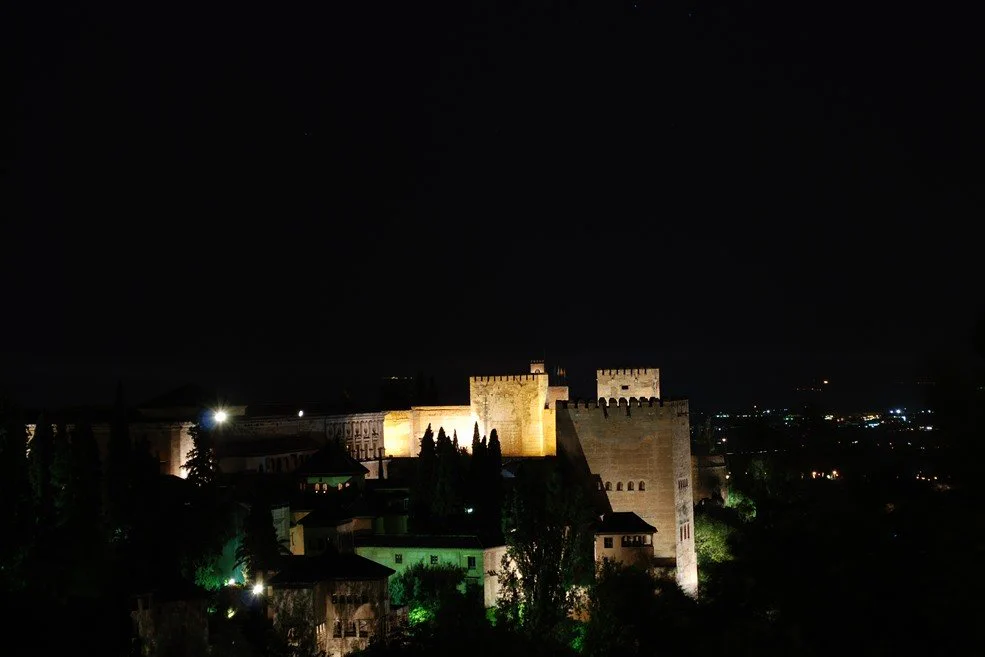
<point x="514" y="405"/>
<point x="639" y="383"/>
<point x="640" y="449"/>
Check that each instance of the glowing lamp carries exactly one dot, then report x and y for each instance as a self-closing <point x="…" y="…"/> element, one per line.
<point x="300" y="413"/>
<point x="258" y="588"/>
<point x="220" y="417"/>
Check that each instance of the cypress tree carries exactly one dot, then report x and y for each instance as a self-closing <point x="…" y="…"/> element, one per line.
<point x="494" y="481"/>
<point x="61" y="475"/>
<point x="86" y="477"/>
<point x="40" y="458"/>
<point x="422" y="493"/>
<point x="202" y="464"/>
<point x="118" y="467"/>
<point x="259" y="551"/>
<point x="15" y="498"/>
<point x="446" y="502"/>
<point x="476" y="443"/>
<point x="476" y="476"/>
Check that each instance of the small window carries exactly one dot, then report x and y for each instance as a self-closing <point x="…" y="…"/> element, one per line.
<point x="471" y="561"/>
<point x="607" y="542"/>
<point x="608" y="485"/>
<point x="335" y="598"/>
<point x="629" y="486"/>
<point x="619" y="486"/>
<point x="642" y="485"/>
<point x="625" y="387"/>
<point x="337" y="629"/>
<point x="398" y="558"/>
<point x="434" y="560"/>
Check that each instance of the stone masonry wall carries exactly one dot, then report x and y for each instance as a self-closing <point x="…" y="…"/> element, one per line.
<point x="640" y="441"/>
<point x="625" y="443"/>
<point x="513" y="405"/>
<point x="639" y="383"/>
<point x="687" y="562"/>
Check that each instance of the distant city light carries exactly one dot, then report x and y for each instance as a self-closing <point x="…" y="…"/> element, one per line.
<point x="300" y="413"/>
<point x="825" y="382"/>
<point x="220" y="416"/>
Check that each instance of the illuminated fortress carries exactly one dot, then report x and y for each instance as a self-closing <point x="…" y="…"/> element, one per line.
<point x="627" y="441"/>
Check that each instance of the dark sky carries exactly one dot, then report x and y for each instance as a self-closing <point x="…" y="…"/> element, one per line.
<point x="280" y="197"/>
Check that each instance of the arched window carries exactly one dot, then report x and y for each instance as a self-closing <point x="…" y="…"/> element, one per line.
<point x="619" y="486"/>
<point x="608" y="485"/>
<point x="629" y="486"/>
<point x="642" y="485"/>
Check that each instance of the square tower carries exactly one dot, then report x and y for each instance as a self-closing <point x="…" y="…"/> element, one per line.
<point x="640" y="383"/>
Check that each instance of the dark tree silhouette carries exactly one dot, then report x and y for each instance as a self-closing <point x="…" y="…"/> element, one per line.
<point x="202" y="465"/>
<point x="446" y="503"/>
<point x="259" y="551"/>
<point x="118" y="508"/>
<point x="41" y="455"/>
<point x="16" y="514"/>
<point x="422" y="492"/>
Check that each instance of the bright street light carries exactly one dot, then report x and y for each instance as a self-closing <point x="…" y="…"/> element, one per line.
<point x="300" y="413"/>
<point x="220" y="416"/>
<point x="258" y="588"/>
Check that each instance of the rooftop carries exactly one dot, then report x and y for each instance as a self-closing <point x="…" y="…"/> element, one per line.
<point x="339" y="566"/>
<point x="623" y="522"/>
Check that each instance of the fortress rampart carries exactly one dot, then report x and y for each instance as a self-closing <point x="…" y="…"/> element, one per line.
<point x="639" y="449"/>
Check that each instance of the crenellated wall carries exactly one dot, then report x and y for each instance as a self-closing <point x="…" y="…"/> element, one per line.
<point x="640" y="441"/>
<point x="640" y="383"/>
<point x="515" y="406"/>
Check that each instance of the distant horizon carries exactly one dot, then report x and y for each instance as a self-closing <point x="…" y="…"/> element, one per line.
<point x="364" y="388"/>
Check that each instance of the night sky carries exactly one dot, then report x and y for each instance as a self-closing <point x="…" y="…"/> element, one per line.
<point x="276" y="198"/>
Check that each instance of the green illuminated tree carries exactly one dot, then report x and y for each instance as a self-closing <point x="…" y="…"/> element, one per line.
<point x="548" y="549"/>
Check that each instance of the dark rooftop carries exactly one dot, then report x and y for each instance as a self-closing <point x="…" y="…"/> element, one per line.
<point x="331" y="460"/>
<point x="623" y="522"/>
<point x="329" y="566"/>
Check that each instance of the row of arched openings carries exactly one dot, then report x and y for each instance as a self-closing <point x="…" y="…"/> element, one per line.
<point x="630" y="486"/>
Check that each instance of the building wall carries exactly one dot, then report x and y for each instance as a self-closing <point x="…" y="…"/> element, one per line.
<point x="513" y="405"/>
<point x="639" y="442"/>
<point x="687" y="560"/>
<point x="397" y="439"/>
<point x="368" y="613"/>
<point x="492" y="562"/>
<point x="458" y="557"/>
<point x="639" y="383"/>
<point x="635" y="554"/>
<point x="709" y="477"/>
<point x="451" y="418"/>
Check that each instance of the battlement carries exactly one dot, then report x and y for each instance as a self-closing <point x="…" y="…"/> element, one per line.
<point x="678" y="405"/>
<point x="507" y="377"/>
<point x="629" y="372"/>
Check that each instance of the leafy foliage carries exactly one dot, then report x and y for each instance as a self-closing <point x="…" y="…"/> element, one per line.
<point x="548" y="547"/>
